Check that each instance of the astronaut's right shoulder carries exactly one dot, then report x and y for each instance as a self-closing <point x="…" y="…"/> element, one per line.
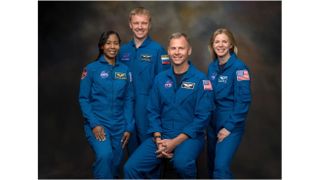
<point x="125" y="47"/>
<point x="163" y="74"/>
<point x="92" y="65"/>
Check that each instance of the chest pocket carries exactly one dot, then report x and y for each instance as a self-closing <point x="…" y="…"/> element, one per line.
<point x="185" y="94"/>
<point x="145" y="65"/>
<point x="120" y="82"/>
<point x="223" y="86"/>
<point x="102" y="82"/>
<point x="144" y="73"/>
<point x="112" y="83"/>
<point x="166" y="91"/>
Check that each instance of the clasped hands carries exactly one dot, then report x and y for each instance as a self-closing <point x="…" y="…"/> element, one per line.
<point x="165" y="148"/>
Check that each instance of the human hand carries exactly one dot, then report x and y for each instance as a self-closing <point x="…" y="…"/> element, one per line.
<point x="223" y="133"/>
<point x="164" y="154"/>
<point x="160" y="148"/>
<point x="166" y="148"/>
<point x="99" y="133"/>
<point x="125" y="138"/>
<point x="170" y="145"/>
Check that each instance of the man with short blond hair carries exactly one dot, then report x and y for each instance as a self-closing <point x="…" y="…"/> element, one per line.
<point x="145" y="59"/>
<point x="178" y="111"/>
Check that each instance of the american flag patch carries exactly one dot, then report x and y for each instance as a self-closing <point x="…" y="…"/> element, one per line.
<point x="207" y="85"/>
<point x="165" y="59"/>
<point x="243" y="75"/>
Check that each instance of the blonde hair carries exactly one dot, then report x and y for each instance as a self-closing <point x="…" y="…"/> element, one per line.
<point x="177" y="35"/>
<point x="231" y="39"/>
<point x="140" y="11"/>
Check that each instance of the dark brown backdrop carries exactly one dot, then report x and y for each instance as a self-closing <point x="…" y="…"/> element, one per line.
<point x="68" y="36"/>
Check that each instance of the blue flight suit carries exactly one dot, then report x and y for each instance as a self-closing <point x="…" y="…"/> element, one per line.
<point x="106" y="99"/>
<point x="145" y="63"/>
<point x="173" y="110"/>
<point x="232" y="97"/>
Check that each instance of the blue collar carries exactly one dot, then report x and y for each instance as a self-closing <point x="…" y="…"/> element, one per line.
<point x="101" y="59"/>
<point x="145" y="43"/>
<point x="229" y="63"/>
<point x="190" y="72"/>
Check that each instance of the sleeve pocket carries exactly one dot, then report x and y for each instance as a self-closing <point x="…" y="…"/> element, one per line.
<point x="245" y="93"/>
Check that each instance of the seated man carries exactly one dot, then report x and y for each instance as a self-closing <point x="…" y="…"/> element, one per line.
<point x="178" y="112"/>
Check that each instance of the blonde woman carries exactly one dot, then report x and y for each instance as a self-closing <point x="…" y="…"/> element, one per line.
<point x="230" y="78"/>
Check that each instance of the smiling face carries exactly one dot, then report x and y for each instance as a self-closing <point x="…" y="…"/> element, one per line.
<point x="221" y="45"/>
<point x="179" y="51"/>
<point x="140" y="26"/>
<point x="111" y="47"/>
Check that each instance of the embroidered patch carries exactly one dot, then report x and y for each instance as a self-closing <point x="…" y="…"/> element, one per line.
<point x="187" y="85"/>
<point x="120" y="75"/>
<point x="243" y="75"/>
<point x="165" y="59"/>
<point x="168" y="84"/>
<point x="130" y="76"/>
<point x="104" y="74"/>
<point x="213" y="76"/>
<point x="125" y="57"/>
<point x="146" y="57"/>
<point x="207" y="85"/>
<point x="223" y="79"/>
<point x="84" y="73"/>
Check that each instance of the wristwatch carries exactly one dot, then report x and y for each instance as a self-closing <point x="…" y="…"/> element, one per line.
<point x="156" y="137"/>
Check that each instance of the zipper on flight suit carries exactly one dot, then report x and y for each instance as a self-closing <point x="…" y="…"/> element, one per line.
<point x="112" y="89"/>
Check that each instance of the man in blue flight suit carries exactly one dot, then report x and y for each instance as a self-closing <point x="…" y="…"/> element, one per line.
<point x="232" y="96"/>
<point x="178" y="112"/>
<point x="145" y="58"/>
<point x="106" y="100"/>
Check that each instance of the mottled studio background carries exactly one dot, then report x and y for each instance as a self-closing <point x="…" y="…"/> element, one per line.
<point x="68" y="36"/>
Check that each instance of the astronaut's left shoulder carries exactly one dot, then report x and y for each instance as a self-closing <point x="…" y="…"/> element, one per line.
<point x="239" y="64"/>
<point x="123" y="66"/>
<point x="199" y="74"/>
<point x="156" y="45"/>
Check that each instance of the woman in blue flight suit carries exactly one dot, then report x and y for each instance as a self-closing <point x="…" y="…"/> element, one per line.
<point x="232" y="97"/>
<point x="106" y="100"/>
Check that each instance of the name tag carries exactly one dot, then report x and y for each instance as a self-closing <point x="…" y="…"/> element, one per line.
<point x="187" y="85"/>
<point x="223" y="79"/>
<point x="145" y="57"/>
<point x="120" y="75"/>
<point x="125" y="57"/>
